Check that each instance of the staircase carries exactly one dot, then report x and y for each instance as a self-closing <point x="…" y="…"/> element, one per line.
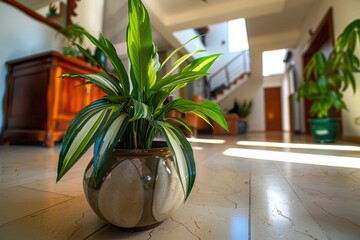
<point x="230" y="76"/>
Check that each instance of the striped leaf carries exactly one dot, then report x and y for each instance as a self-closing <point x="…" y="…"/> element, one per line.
<point x="139" y="45"/>
<point x="181" y="60"/>
<point x="204" y="109"/>
<point x="82" y="133"/>
<point x="181" y="122"/>
<point x="177" y="79"/>
<point x="107" y="141"/>
<point x="140" y="110"/>
<point x="116" y="82"/>
<point x="102" y="80"/>
<point x="177" y="50"/>
<point x="182" y="152"/>
<point x="201" y="64"/>
<point x="153" y="69"/>
<point x="106" y="46"/>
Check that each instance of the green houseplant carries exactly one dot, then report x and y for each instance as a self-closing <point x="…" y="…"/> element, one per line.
<point x="243" y="110"/>
<point x="74" y="35"/>
<point x="332" y="76"/>
<point x="127" y="120"/>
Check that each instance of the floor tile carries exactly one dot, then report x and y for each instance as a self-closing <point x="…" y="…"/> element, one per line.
<point x="18" y="202"/>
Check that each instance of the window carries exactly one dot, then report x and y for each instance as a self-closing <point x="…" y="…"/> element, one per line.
<point x="273" y="62"/>
<point x="238" y="40"/>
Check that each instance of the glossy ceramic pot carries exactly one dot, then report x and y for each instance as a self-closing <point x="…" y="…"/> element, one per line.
<point x="324" y="130"/>
<point x="139" y="189"/>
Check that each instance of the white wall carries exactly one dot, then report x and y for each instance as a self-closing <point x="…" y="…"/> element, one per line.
<point x="343" y="13"/>
<point x="273" y="80"/>
<point x="21" y="35"/>
<point x="217" y="41"/>
<point x="251" y="89"/>
<point x="90" y="16"/>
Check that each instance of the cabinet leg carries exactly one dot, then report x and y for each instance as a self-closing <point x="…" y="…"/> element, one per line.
<point x="49" y="142"/>
<point x="4" y="140"/>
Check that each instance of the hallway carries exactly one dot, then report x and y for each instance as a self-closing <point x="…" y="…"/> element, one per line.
<point x="245" y="188"/>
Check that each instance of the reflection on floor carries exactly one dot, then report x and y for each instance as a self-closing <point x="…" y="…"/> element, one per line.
<point x="237" y="195"/>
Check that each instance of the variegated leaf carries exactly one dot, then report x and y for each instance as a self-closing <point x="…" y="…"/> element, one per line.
<point x="107" y="141"/>
<point x="82" y="133"/>
<point x="182" y="152"/>
<point x="99" y="79"/>
<point x="140" y="110"/>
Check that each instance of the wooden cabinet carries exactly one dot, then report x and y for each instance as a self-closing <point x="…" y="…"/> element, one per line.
<point x="40" y="105"/>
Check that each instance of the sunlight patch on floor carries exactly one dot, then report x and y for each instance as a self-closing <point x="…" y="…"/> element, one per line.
<point x="300" y="145"/>
<point x="211" y="141"/>
<point x="197" y="148"/>
<point x="305" y="158"/>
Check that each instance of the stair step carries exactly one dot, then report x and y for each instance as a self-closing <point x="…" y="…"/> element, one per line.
<point x="230" y="86"/>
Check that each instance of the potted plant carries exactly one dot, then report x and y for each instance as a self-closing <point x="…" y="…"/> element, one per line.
<point x="133" y="181"/>
<point x="243" y="110"/>
<point x="52" y="10"/>
<point x="73" y="34"/>
<point x="326" y="78"/>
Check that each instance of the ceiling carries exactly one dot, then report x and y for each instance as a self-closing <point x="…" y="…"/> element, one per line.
<point x="264" y="17"/>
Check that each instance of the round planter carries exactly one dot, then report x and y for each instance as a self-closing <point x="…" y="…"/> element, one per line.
<point x="139" y="188"/>
<point x="324" y="130"/>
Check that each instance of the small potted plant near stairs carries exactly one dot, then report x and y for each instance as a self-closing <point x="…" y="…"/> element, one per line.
<point x="243" y="110"/>
<point x="326" y="79"/>
<point x="133" y="181"/>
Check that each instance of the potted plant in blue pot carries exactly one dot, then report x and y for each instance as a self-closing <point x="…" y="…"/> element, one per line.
<point x="243" y="110"/>
<point x="326" y="78"/>
<point x="133" y="181"/>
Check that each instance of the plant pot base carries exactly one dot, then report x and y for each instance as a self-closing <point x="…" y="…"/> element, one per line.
<point x="140" y="229"/>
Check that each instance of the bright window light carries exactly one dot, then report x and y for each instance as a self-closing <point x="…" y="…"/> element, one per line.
<point x="304" y="158"/>
<point x="300" y="145"/>
<point x="273" y="62"/>
<point x="238" y="40"/>
<point x="212" y="141"/>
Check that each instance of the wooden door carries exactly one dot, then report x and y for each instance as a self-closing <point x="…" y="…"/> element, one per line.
<point x="273" y="113"/>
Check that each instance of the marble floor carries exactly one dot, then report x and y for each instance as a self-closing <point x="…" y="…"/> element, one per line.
<point x="245" y="188"/>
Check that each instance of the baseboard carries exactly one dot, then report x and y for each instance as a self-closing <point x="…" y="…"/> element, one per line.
<point x="350" y="139"/>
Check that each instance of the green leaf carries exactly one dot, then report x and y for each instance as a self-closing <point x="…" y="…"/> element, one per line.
<point x="182" y="153"/>
<point x="107" y="141"/>
<point x="182" y="122"/>
<point x="106" y="46"/>
<point x="310" y="68"/>
<point x="117" y="99"/>
<point x="139" y="45"/>
<point x="203" y="109"/>
<point x="141" y="110"/>
<point x="177" y="79"/>
<point x="82" y="132"/>
<point x="181" y="60"/>
<point x="201" y="64"/>
<point x="321" y="62"/>
<point x="113" y="79"/>
<point x="153" y="69"/>
<point x="177" y="50"/>
<point x="322" y="84"/>
<point x="102" y="80"/>
<point x="158" y="98"/>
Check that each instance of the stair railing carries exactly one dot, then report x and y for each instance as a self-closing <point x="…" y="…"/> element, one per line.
<point x="239" y="65"/>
